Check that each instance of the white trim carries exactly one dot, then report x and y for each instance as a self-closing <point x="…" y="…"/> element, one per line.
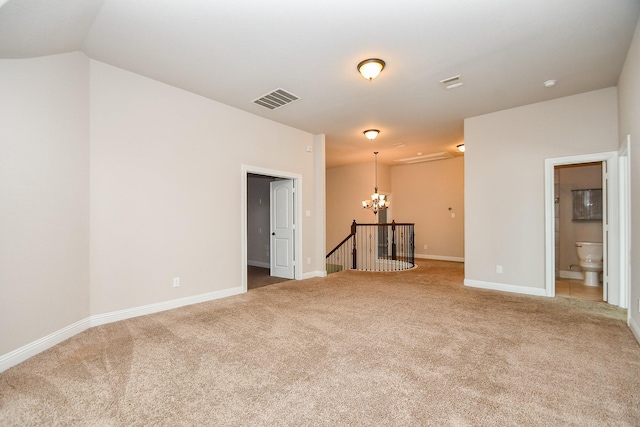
<point x="440" y="257"/>
<point x="624" y="170"/>
<point x="635" y="329"/>
<point x="312" y="274"/>
<point x="297" y="178"/>
<point x="611" y="158"/>
<point x="25" y="352"/>
<point x="504" y="287"/>
<point x="128" y="313"/>
<point x="259" y="264"/>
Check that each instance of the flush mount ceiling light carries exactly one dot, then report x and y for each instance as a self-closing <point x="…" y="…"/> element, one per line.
<point x="371" y="68"/>
<point x="371" y="133"/>
<point x="550" y="83"/>
<point x="460" y="148"/>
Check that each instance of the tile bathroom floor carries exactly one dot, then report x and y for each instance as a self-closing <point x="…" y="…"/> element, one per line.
<point x="577" y="289"/>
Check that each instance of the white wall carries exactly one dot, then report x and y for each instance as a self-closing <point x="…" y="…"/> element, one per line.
<point x="319" y="205"/>
<point x="347" y="187"/>
<point x="166" y="189"/>
<point x="423" y="194"/>
<point x="504" y="181"/>
<point x="420" y="194"/>
<point x="629" y="106"/>
<point x="44" y="196"/>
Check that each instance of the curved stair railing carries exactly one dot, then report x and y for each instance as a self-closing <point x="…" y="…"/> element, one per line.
<point x="374" y="247"/>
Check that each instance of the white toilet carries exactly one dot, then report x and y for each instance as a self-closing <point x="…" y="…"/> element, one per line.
<point x="590" y="257"/>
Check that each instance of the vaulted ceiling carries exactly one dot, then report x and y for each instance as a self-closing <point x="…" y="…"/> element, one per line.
<point x="236" y="51"/>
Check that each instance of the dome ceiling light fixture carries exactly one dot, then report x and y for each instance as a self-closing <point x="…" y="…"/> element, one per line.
<point x="371" y="134"/>
<point x="371" y="68"/>
<point x="550" y="83"/>
<point x="460" y="148"/>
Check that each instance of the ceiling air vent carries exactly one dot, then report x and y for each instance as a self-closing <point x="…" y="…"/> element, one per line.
<point x="452" y="82"/>
<point x="276" y="99"/>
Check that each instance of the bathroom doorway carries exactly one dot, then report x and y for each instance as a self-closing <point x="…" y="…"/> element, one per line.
<point x="578" y="218"/>
<point x="612" y="290"/>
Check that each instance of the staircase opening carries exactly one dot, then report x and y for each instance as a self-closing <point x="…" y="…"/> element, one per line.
<point x="374" y="247"/>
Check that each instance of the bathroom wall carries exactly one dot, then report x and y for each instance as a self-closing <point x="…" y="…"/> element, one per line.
<point x="575" y="177"/>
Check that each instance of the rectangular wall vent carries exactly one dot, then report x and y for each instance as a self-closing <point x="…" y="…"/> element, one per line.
<point x="452" y="82"/>
<point x="276" y="99"/>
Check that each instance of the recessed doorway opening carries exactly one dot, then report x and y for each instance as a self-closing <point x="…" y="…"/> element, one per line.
<point x="271" y="235"/>
<point x="613" y="290"/>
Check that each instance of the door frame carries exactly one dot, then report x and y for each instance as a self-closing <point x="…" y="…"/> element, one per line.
<point x="614" y="297"/>
<point x="297" y="214"/>
<point x="624" y="171"/>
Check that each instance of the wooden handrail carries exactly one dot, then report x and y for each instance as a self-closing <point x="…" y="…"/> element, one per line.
<point x="346" y="254"/>
<point x="340" y="244"/>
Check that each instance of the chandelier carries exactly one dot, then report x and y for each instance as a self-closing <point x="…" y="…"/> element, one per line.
<point x="378" y="201"/>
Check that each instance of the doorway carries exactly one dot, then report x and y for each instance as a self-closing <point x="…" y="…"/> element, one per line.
<point x="613" y="290"/>
<point x="257" y="240"/>
<point x="578" y="218"/>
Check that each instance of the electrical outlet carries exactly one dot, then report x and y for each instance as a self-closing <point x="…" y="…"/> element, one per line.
<point x="425" y="246"/>
<point x="499" y="269"/>
<point x="308" y="260"/>
<point x="176" y="282"/>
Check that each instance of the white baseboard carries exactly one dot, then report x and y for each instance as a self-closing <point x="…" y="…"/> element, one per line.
<point x="312" y="274"/>
<point x="568" y="274"/>
<point x="115" y="316"/>
<point x="504" y="287"/>
<point x="23" y="353"/>
<point x="440" y="257"/>
<point x="635" y="329"/>
<point x="259" y="264"/>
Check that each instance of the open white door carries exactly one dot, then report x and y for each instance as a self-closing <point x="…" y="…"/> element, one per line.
<point x="282" y="229"/>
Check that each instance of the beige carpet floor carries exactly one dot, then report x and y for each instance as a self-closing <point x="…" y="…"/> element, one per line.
<point x="354" y="349"/>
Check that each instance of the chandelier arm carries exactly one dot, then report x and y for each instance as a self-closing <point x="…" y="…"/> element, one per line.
<point x="378" y="201"/>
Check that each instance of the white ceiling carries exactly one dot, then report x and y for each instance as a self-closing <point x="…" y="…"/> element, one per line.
<point x="236" y="51"/>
